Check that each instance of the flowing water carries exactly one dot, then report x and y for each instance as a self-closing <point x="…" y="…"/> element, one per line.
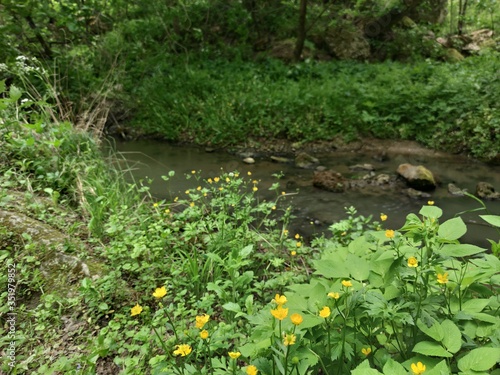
<point x="316" y="209"/>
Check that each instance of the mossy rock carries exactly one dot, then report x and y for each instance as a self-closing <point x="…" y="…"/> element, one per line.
<point x="452" y="55"/>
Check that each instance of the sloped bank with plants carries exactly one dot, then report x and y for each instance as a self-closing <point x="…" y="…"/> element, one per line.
<point x="212" y="282"/>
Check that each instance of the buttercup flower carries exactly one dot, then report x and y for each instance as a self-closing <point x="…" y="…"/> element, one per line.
<point x="296" y="319"/>
<point x="325" y="312"/>
<point x="198" y="188"/>
<point x="209" y="181"/>
<point x="383" y="217"/>
<point x="279" y="313"/>
<point x="273" y="208"/>
<point x="160" y="292"/>
<point x="182" y="350"/>
<point x="417" y="368"/>
<point x="366" y="351"/>
<point x="187" y="191"/>
<point x="234" y="355"/>
<point x="293" y="253"/>
<point x="136" y="310"/>
<point x="297" y="236"/>
<point x="156" y="204"/>
<point x="298" y="244"/>
<point x="289" y="339"/>
<point x="442" y="278"/>
<point x="283" y="193"/>
<point x="334" y="295"/>
<point x="430" y="203"/>
<point x="412" y="262"/>
<point x="193" y="171"/>
<point x="255" y="188"/>
<point x="279" y="300"/>
<point x="216" y="179"/>
<point x="191" y="204"/>
<point x="346" y="283"/>
<point x="201" y="320"/>
<point x="389" y="233"/>
<point x="252" y="370"/>
<point x="204" y="334"/>
<point x="249" y="173"/>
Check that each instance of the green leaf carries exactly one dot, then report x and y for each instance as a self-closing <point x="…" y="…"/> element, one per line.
<point x="246" y="251"/>
<point x="452" y="229"/>
<point x="331" y="269"/>
<point x="490" y="219"/>
<point x="440" y="369"/>
<point x="480" y="359"/>
<point x="435" y="331"/>
<point x="452" y="339"/>
<point x="364" y="369"/>
<point x="358" y="268"/>
<point x="15" y="93"/>
<point x="392" y="367"/>
<point x="431" y="349"/>
<point x="431" y="212"/>
<point x="475" y="305"/>
<point x="231" y="306"/>
<point x="460" y="250"/>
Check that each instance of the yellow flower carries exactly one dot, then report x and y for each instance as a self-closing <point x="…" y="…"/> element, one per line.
<point x="325" y="312"/>
<point x="201" y="320"/>
<point x="160" y="292"/>
<point x="297" y="236"/>
<point x="216" y="179"/>
<point x="227" y="179"/>
<point x="417" y="368"/>
<point x="283" y="193"/>
<point x="279" y="300"/>
<point x="383" y="217"/>
<point x="389" y="233"/>
<point x="346" y="283"/>
<point x="209" y="181"/>
<point x="191" y="204"/>
<point x="366" y="351"/>
<point x="279" y="313"/>
<point x="249" y="173"/>
<point x="255" y="182"/>
<point x="182" y="350"/>
<point x="285" y="232"/>
<point x="273" y="208"/>
<point x="176" y="199"/>
<point x="193" y="171"/>
<point x="252" y="370"/>
<point x="430" y="203"/>
<point x="167" y="211"/>
<point x="442" y="278"/>
<point x="234" y="355"/>
<point x="293" y="253"/>
<point x="136" y="310"/>
<point x="296" y="319"/>
<point x="334" y="295"/>
<point x="198" y="188"/>
<point x="412" y="262"/>
<point x="187" y="191"/>
<point x="298" y="244"/>
<point x="289" y="339"/>
<point x="205" y="194"/>
<point x="204" y="334"/>
<point x="221" y="188"/>
<point x="255" y="188"/>
<point x="155" y="204"/>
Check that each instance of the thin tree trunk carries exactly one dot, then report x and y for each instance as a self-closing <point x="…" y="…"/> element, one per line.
<point x="461" y="16"/>
<point x="301" y="32"/>
<point x="47" y="51"/>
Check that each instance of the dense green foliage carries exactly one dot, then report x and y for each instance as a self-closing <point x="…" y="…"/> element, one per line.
<point x="213" y="71"/>
<point x="186" y="285"/>
<point x="444" y="106"/>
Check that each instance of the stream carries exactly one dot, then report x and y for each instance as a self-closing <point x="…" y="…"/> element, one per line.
<point x="315" y="209"/>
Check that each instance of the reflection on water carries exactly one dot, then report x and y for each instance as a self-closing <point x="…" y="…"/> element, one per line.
<point x="154" y="159"/>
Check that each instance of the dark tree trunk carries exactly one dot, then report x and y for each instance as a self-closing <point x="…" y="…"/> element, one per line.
<point x="47" y="51"/>
<point x="461" y="16"/>
<point x="301" y="31"/>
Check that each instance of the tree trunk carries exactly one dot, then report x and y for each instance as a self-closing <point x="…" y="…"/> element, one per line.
<point x="47" y="51"/>
<point x="301" y="31"/>
<point x="461" y="16"/>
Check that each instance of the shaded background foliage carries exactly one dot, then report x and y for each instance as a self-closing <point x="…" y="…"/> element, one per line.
<point x="207" y="70"/>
